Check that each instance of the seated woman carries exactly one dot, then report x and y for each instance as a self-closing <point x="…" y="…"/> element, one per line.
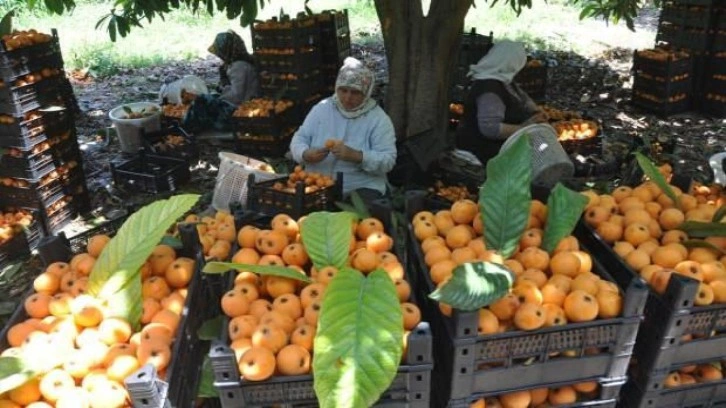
<point x="349" y="133"/>
<point x="237" y="83"/>
<point x="495" y="107"/>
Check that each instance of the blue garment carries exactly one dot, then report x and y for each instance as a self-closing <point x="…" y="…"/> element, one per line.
<point x="372" y="133"/>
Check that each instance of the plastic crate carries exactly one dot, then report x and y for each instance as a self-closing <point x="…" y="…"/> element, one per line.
<point x="333" y="22"/>
<point x="524" y="359"/>
<point x="664" y="69"/>
<point x="662" y="108"/>
<point x="22" y="130"/>
<point x="687" y="17"/>
<point x="26" y="164"/>
<point x="676" y="36"/>
<point x="583" y="147"/>
<point x="533" y="80"/>
<point x="277" y="86"/>
<point x="668" y="317"/>
<point x="662" y="90"/>
<point x="17" y="103"/>
<point x="11" y="69"/>
<point x="263" y="198"/>
<point x="263" y="145"/>
<point x="25" y="55"/>
<point x="39" y="192"/>
<point x="55" y="223"/>
<point x="20" y="244"/>
<point x="189" y="151"/>
<point x="702" y="395"/>
<point x="150" y="173"/>
<point x="473" y="47"/>
<point x="607" y="397"/>
<point x="299" y="34"/>
<point x="714" y="108"/>
<point x="298" y="63"/>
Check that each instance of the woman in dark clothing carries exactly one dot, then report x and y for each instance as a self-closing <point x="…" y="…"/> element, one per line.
<point x="495" y="107"/>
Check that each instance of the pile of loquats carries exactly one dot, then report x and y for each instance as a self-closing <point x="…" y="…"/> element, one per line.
<point x="549" y="290"/>
<point x="694" y="374"/>
<point x="542" y="397"/>
<point x="642" y="224"/>
<point x="273" y="320"/>
<point x="92" y="352"/>
<point x="12" y="223"/>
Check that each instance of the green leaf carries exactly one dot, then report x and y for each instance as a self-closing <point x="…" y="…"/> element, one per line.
<point x="652" y="172"/>
<point x="206" y="383"/>
<point x="6" y="24"/>
<point x="719" y="214"/>
<point x="249" y="12"/>
<point x="697" y="243"/>
<point x="172" y="241"/>
<point x="269" y="270"/>
<point x="360" y="207"/>
<point x="358" y="345"/>
<point x="697" y="229"/>
<point x="211" y="328"/>
<point x="475" y="285"/>
<point x="14" y="373"/>
<point x="505" y="197"/>
<point x="346" y="207"/>
<point x="564" y="209"/>
<point x="326" y="237"/>
<point x="115" y="276"/>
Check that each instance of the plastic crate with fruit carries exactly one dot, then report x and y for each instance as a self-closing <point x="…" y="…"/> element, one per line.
<point x="173" y="309"/>
<point x="21" y="47"/>
<point x="20" y="232"/>
<point x="684" y="314"/>
<point x="297" y="194"/>
<point x="21" y="130"/>
<point x="533" y="78"/>
<point x="263" y="115"/>
<point x="663" y="63"/>
<point x="285" y="33"/>
<point x="292" y="385"/>
<point x="498" y="349"/>
<point x="602" y="393"/>
<point x="715" y="105"/>
<point x="172" y="142"/>
<point x="288" y="60"/>
<point x="663" y="106"/>
<point x="265" y="145"/>
<point x="151" y="173"/>
<point x="290" y="86"/>
<point x="26" y="163"/>
<point x="333" y="22"/>
<point x="334" y="36"/>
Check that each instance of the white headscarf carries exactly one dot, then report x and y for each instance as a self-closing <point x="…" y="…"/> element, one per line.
<point x="503" y="61"/>
<point x="354" y="74"/>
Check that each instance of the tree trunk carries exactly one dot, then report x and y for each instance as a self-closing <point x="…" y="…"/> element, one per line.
<point x="422" y="52"/>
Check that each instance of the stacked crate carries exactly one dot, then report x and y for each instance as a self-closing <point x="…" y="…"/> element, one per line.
<point x="288" y="55"/>
<point x="663" y="80"/>
<point x="41" y="165"/>
<point x="473" y="47"/>
<point x="533" y="79"/>
<point x="335" y="46"/>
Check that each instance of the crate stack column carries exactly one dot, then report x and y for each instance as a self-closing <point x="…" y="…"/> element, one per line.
<point x="335" y="46"/>
<point x="714" y="95"/>
<point x="41" y="166"/>
<point x="663" y="81"/>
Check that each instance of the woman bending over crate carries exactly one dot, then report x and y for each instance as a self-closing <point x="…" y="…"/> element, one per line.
<point x="495" y="107"/>
<point x="349" y="133"/>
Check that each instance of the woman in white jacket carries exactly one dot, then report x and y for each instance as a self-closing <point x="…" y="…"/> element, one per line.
<point x="349" y="133"/>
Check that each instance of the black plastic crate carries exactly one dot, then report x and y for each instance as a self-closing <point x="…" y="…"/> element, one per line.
<point x="533" y="80"/>
<point x="333" y="22"/>
<point x="473" y="47"/>
<point x="290" y="86"/>
<point x="262" y="197"/>
<point x="55" y="223"/>
<point x="33" y="52"/>
<point x="263" y="145"/>
<point x="668" y="317"/>
<point x="660" y="89"/>
<point x="664" y="69"/>
<point x="715" y="108"/>
<point x="700" y="395"/>
<point x="688" y="39"/>
<point x="13" y="69"/>
<point x="606" y="397"/>
<point x="150" y="173"/>
<point x="687" y="17"/>
<point x="39" y="192"/>
<point x="584" y="147"/>
<point x="302" y="61"/>
<point x="20" y="244"/>
<point x="154" y="143"/>
<point x="296" y="33"/>
<point x="523" y="359"/>
<point x="17" y="103"/>
<point x="26" y="164"/>
<point x="662" y="108"/>
<point x="22" y="130"/>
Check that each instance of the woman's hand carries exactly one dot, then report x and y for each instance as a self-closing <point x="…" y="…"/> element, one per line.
<point x="314" y="155"/>
<point x="345" y="153"/>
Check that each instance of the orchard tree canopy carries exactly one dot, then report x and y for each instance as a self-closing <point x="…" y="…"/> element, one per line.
<point x="421" y="48"/>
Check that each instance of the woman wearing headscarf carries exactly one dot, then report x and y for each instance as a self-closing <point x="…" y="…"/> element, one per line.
<point x="495" y="107"/>
<point x="237" y="83"/>
<point x="363" y="145"/>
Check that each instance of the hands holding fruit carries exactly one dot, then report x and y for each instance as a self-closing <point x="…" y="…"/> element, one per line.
<point x="339" y="149"/>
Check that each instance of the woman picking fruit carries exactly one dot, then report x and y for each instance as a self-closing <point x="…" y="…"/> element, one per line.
<point x="496" y="107"/>
<point x="349" y="133"/>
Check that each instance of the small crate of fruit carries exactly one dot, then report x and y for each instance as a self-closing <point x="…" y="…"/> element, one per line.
<point x="288" y="60"/>
<point x="687" y="16"/>
<point x="21" y="130"/>
<point x="663" y="106"/>
<point x="643" y="232"/>
<point x="19" y="233"/>
<point x="83" y="336"/>
<point x="263" y="356"/>
<point x="172" y="142"/>
<point x="577" y="135"/>
<point x="21" y="47"/>
<point x="333" y="22"/>
<point x="284" y="33"/>
<point x="662" y="62"/>
<point x="715" y="104"/>
<point x="567" y="318"/>
<point x="32" y="193"/>
<point x="298" y="194"/>
<point x="263" y="115"/>
<point x="533" y="78"/>
<point x="265" y="145"/>
<point x="151" y="173"/>
<point x="474" y="46"/>
<point x="290" y="86"/>
<point x="26" y="163"/>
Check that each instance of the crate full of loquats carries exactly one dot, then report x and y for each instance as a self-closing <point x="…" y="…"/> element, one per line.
<point x="282" y="331"/>
<point x="514" y="301"/>
<point x="297" y="194"/>
<point x="20" y="232"/>
<point x="676" y="242"/>
<point x="97" y="324"/>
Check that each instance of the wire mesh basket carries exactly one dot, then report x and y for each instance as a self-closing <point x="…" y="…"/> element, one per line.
<point x="231" y="184"/>
<point x="550" y="162"/>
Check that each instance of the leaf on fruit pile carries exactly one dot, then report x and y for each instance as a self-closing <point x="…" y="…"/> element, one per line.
<point x="115" y="276"/>
<point x="474" y="285"/>
<point x="654" y="174"/>
<point x="697" y="229"/>
<point x="268" y="270"/>
<point x="697" y="243"/>
<point x="14" y="373"/>
<point x="359" y="342"/>
<point x="564" y="209"/>
<point x="211" y="328"/>
<point x="505" y="197"/>
<point x="172" y="241"/>
<point x="326" y="237"/>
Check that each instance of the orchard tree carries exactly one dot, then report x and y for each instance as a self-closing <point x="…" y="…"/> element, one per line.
<point x="421" y="48"/>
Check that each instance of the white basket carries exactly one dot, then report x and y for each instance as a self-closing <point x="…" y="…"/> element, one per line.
<point x="550" y="162"/>
<point x="231" y="185"/>
<point x="129" y="130"/>
<point x="719" y="173"/>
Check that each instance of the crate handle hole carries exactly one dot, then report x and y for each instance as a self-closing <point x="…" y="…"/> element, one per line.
<point x="419" y="378"/>
<point x="465" y="352"/>
<point x="672" y="341"/>
<point x="686" y="303"/>
<point x="656" y="386"/>
<point x="230" y="395"/>
<point x="219" y="349"/>
<point x="419" y="357"/>
<point x="650" y="402"/>
<point x="144" y="402"/>
<point x="225" y="375"/>
<point x="418" y="396"/>
<point x="678" y="323"/>
<point x="463" y="370"/>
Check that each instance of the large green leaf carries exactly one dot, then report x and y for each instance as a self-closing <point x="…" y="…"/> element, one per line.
<point x="14" y="372"/>
<point x="719" y="214"/>
<point x="206" y="382"/>
<point x="697" y="243"/>
<point x="270" y="270"/>
<point x="564" y="209"/>
<point x="505" y="197"/>
<point x="326" y="237"/>
<point x="697" y="229"/>
<point x="115" y="276"/>
<point x="6" y="26"/>
<point x="211" y="328"/>
<point x="358" y="345"/>
<point x="474" y="285"/>
<point x="653" y="174"/>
